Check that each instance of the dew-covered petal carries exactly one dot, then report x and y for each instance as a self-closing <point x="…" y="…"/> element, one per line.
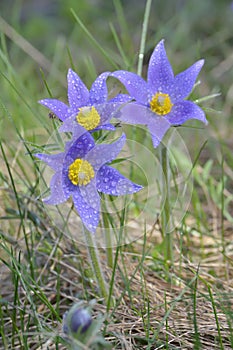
<point x="160" y="74"/>
<point x="71" y="125"/>
<point x="107" y="111"/>
<point x="99" y="91"/>
<point x="60" y="109"/>
<point x="110" y="181"/>
<point x="79" y="148"/>
<point x="183" y="82"/>
<point x="68" y="125"/>
<point x="57" y="195"/>
<point x="134" y="84"/>
<point x="185" y="110"/>
<point x="55" y="161"/>
<point x="105" y="153"/>
<point x="109" y="127"/>
<point x="134" y="113"/>
<point x="158" y="127"/>
<point x="78" y="94"/>
<point x="87" y="203"/>
<point x="121" y="98"/>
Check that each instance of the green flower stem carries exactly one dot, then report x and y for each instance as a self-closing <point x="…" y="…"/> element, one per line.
<point x="165" y="215"/>
<point x="143" y="37"/>
<point x="108" y="240"/>
<point x="93" y="254"/>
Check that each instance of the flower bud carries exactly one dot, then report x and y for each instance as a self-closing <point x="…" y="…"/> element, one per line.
<point x="80" y="320"/>
<point x="77" y="320"/>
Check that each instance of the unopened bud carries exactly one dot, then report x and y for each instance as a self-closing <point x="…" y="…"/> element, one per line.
<point x="76" y="320"/>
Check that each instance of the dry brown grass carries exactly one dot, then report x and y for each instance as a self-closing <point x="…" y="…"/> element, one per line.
<point x="170" y="322"/>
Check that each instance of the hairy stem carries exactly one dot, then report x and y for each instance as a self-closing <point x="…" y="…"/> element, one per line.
<point x="96" y="267"/>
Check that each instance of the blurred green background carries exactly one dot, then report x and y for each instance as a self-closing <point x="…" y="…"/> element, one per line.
<point x="192" y="29"/>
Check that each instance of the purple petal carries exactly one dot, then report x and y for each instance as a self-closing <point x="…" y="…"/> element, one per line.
<point x="79" y="148"/>
<point x="183" y="111"/>
<point x="160" y="74"/>
<point x="120" y="98"/>
<point x="135" y="85"/>
<point x="183" y="82"/>
<point x="107" y="111"/>
<point x="133" y="113"/>
<point x="158" y="127"/>
<point x="99" y="91"/>
<point x="57" y="196"/>
<point x="55" y="161"/>
<point x="109" y="127"/>
<point x="87" y="203"/>
<point x="110" y="181"/>
<point x="71" y="125"/>
<point x="105" y="153"/>
<point x="68" y="125"/>
<point x="60" y="109"/>
<point x="78" y="94"/>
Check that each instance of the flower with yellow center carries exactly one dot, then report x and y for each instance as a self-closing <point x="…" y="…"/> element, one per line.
<point x="80" y="172"/>
<point x="161" y="103"/>
<point x="92" y="109"/>
<point x="167" y="95"/>
<point x="88" y="118"/>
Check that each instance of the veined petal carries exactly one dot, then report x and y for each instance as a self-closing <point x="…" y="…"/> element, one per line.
<point x="80" y="147"/>
<point x="108" y="110"/>
<point x="57" y="196"/>
<point x="68" y="125"/>
<point x="110" y="181"/>
<point x="78" y="94"/>
<point x="71" y="125"/>
<point x="183" y="111"/>
<point x="60" y="109"/>
<point x="158" y="127"/>
<point x="105" y="153"/>
<point x="160" y="74"/>
<point x="184" y="81"/>
<point x="99" y="91"/>
<point x="55" y="161"/>
<point x="87" y="203"/>
<point x="134" y="113"/>
<point x="121" y="98"/>
<point x="109" y="127"/>
<point x="135" y="85"/>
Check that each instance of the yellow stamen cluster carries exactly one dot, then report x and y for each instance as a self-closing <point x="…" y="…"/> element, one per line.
<point x="80" y="172"/>
<point x="88" y="117"/>
<point x="161" y="103"/>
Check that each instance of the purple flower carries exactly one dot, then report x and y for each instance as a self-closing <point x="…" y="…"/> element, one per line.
<point x="81" y="171"/>
<point x="76" y="320"/>
<point x="90" y="109"/>
<point x="160" y="102"/>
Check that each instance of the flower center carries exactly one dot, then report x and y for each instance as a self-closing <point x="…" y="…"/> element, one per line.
<point x="80" y="172"/>
<point x="88" y="117"/>
<point x="161" y="103"/>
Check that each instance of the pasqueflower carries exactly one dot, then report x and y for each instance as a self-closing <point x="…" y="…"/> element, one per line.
<point x="160" y="102"/>
<point x="90" y="109"/>
<point x="81" y="171"/>
<point x="76" y="320"/>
